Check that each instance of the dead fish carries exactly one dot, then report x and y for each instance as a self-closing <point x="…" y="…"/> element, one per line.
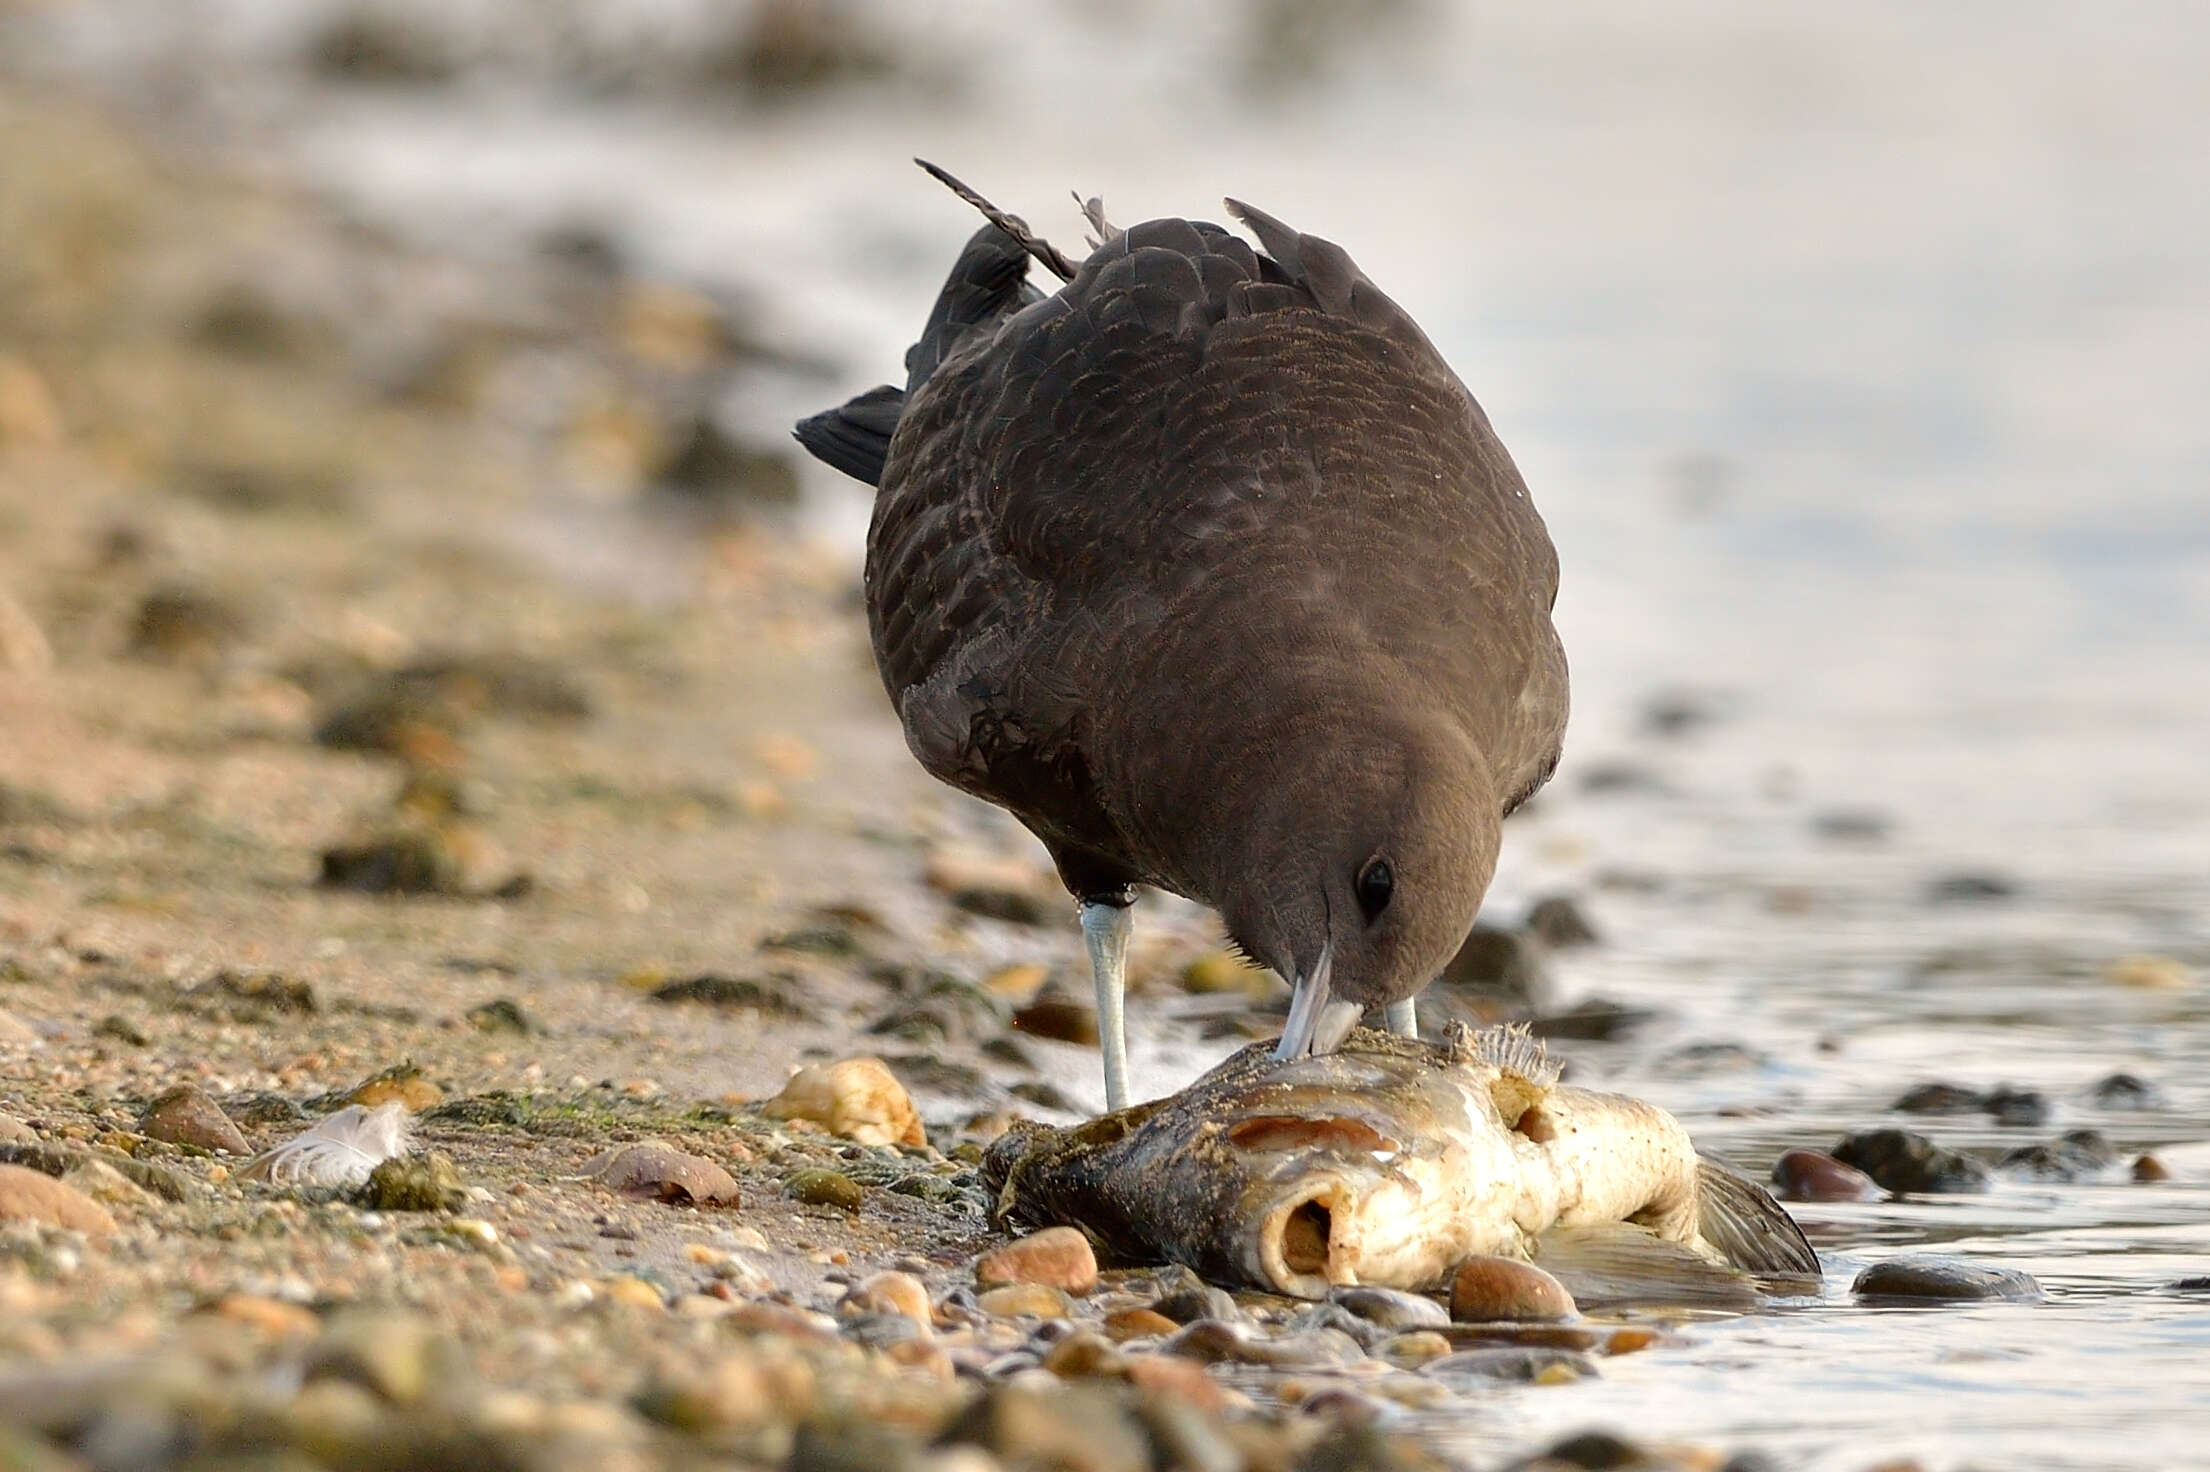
<point x="1391" y="1161"/>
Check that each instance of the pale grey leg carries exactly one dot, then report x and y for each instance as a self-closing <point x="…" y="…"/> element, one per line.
<point x="1106" y="928"/>
<point x="1404" y="1017"/>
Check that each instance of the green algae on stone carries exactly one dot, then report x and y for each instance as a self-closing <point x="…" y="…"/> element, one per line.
<point x="426" y="1182"/>
<point x="821" y="1187"/>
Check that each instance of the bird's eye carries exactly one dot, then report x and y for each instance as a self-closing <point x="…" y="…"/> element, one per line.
<point x="1376" y="882"/>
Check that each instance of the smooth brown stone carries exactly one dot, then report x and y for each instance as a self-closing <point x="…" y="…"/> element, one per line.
<point x="1489" y="1289"/>
<point x="1061" y="1019"/>
<point x="1058" y="1256"/>
<point x="1086" y="1355"/>
<point x="892" y="1293"/>
<point x="1167" y="1374"/>
<point x="186" y="1115"/>
<point x="272" y="1317"/>
<point x="27" y="1195"/>
<point x="1024" y="1300"/>
<point x="1813" y="1175"/>
<point x="2147" y="1169"/>
<point x="1138" y="1323"/>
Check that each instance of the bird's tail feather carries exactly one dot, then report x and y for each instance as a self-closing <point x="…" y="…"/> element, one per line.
<point x="854" y="437"/>
<point x="987" y="284"/>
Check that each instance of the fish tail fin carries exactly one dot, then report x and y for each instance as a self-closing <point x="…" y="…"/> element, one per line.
<point x="1618" y="1264"/>
<point x="1743" y="1224"/>
<point x="854" y="437"/>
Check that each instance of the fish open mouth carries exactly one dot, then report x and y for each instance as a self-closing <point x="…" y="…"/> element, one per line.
<point x="1300" y="1243"/>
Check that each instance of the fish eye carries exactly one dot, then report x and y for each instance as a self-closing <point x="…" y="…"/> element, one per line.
<point x="1376" y="882"/>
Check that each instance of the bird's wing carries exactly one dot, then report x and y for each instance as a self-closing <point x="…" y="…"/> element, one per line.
<point x="1186" y="421"/>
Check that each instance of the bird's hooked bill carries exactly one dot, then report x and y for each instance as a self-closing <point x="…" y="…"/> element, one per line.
<point x="1318" y="1022"/>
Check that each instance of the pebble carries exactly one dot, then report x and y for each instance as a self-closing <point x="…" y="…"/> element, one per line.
<point x="1334" y="1316"/>
<point x="821" y="1187"/>
<point x="1943" y="1279"/>
<point x="1940" y="1098"/>
<point x="1013" y="906"/>
<point x="502" y="1014"/>
<point x="654" y="1170"/>
<point x="104" y="1183"/>
<point x="1060" y="1019"/>
<point x="1410" y="1351"/>
<point x="1559" y="922"/>
<point x="856" y="1098"/>
<point x="402" y="1083"/>
<point x="397" y="1355"/>
<point x="14" y="1131"/>
<point x="2077" y="1155"/>
<point x="1016" y="983"/>
<point x="1187" y="1305"/>
<point x="892" y="1292"/>
<point x="2151" y="973"/>
<point x="415" y="858"/>
<point x="1534" y="1364"/>
<point x="180" y="623"/>
<point x="1024" y="1300"/>
<point x="24" y="649"/>
<point x="1497" y="965"/>
<point x="332" y="1415"/>
<point x="1225" y="971"/>
<point x="1068" y="1426"/>
<point x="1391" y="1308"/>
<point x="27" y="1195"/>
<point x="2022" y="1107"/>
<point x="187" y="1115"/>
<point x="2148" y="1170"/>
<point x="1593" y="1020"/>
<point x="1493" y="1289"/>
<point x="1183" y="1379"/>
<point x="271" y="1316"/>
<point x="1905" y="1162"/>
<point x="1086" y="1355"/>
<point x="1138" y="1323"/>
<point x="631" y="1291"/>
<point x="1212" y="1341"/>
<point x="252" y="996"/>
<point x="777" y="993"/>
<point x="1058" y="1256"/>
<point x="428" y="1182"/>
<point x="2125" y="1092"/>
<point x="1812" y="1175"/>
<point x="1970" y="887"/>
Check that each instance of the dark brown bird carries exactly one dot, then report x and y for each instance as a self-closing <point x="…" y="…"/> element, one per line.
<point x="1209" y="570"/>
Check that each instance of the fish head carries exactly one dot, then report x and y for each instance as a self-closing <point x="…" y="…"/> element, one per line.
<point x="1364" y="874"/>
<point x="1370" y="1165"/>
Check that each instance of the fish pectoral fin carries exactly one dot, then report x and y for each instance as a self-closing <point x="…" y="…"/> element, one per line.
<point x="1618" y="1264"/>
<point x="1743" y="1224"/>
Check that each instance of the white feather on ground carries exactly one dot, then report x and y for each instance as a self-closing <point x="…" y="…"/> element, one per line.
<point x="341" y="1150"/>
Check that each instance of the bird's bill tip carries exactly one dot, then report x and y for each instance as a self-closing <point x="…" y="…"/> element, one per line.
<point x="1318" y="1020"/>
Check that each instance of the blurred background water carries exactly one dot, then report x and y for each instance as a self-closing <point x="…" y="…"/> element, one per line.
<point x="1856" y="356"/>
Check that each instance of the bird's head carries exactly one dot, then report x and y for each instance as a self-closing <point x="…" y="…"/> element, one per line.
<point x="1361" y="870"/>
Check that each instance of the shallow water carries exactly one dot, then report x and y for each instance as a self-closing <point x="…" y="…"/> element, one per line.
<point x="1857" y="359"/>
